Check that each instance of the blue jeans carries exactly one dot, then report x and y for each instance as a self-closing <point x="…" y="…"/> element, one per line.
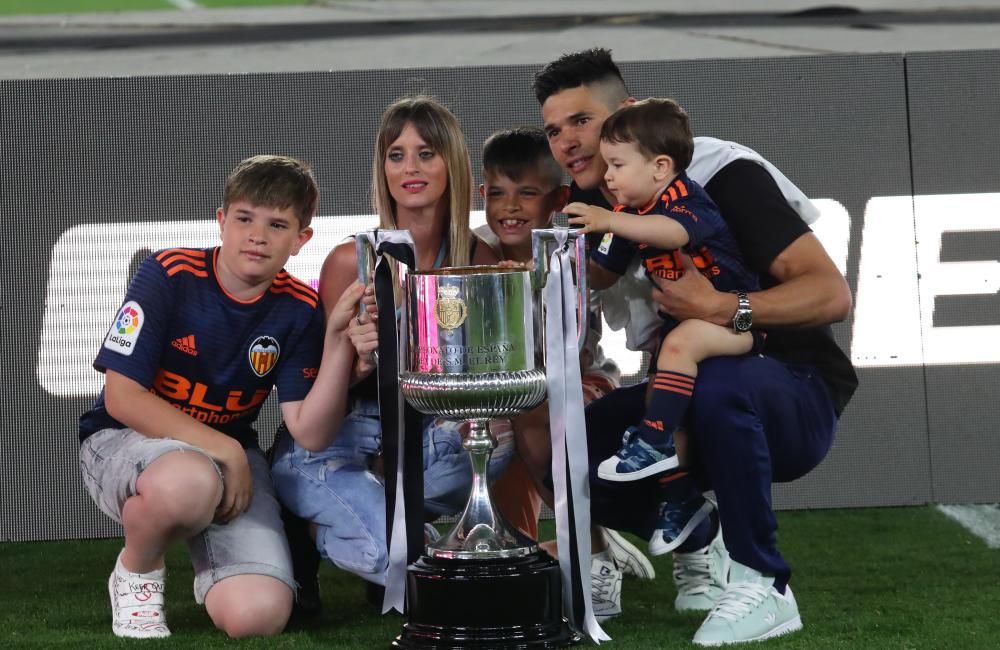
<point x="336" y="489"/>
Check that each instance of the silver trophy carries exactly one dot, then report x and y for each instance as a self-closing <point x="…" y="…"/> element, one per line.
<point x="475" y="352"/>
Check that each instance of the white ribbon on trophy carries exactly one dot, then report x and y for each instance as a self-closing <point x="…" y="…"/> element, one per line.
<point x="570" y="465"/>
<point x="399" y="245"/>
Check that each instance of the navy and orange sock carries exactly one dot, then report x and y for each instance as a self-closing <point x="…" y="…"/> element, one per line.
<point x="667" y="404"/>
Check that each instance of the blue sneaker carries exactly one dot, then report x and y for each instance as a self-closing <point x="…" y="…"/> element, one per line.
<point x="637" y="459"/>
<point x="676" y="523"/>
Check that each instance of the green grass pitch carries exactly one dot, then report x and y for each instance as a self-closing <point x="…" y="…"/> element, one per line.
<point x="885" y="578"/>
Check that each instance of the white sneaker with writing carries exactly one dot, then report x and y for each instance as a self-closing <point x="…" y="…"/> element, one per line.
<point x="137" y="603"/>
<point x="628" y="557"/>
<point x="605" y="589"/>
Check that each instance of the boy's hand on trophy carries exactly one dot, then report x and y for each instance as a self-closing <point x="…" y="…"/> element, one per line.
<point x="344" y="311"/>
<point x="368" y="309"/>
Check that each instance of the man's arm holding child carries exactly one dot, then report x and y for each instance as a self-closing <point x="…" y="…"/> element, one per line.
<point x="811" y="291"/>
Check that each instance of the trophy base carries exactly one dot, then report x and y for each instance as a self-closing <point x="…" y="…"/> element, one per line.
<point x="495" y="603"/>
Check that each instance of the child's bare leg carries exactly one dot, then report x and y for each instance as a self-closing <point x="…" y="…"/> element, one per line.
<point x="693" y="341"/>
<point x="176" y="497"/>
<point x="650" y="450"/>
<point x="249" y="605"/>
<point x="683" y="522"/>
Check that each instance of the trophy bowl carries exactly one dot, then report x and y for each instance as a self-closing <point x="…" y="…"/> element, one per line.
<point x="472" y="356"/>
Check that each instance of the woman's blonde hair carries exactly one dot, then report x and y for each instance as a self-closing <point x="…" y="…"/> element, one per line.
<point x="437" y="127"/>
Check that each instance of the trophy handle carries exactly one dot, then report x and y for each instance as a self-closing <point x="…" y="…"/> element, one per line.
<point x="542" y="243"/>
<point x="366" y="255"/>
<point x="365" y="247"/>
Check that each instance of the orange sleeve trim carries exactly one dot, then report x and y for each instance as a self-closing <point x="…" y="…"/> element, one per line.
<point x="288" y="278"/>
<point x="298" y="295"/>
<point x="285" y="279"/>
<point x="177" y="268"/>
<point x="189" y="254"/>
<point x="182" y="259"/>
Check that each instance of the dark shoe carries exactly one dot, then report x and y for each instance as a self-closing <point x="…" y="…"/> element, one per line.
<point x="305" y="566"/>
<point x="374" y="594"/>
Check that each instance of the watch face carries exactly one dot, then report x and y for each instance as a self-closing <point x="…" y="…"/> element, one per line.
<point x="743" y="320"/>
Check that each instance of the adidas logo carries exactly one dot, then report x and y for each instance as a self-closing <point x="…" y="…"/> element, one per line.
<point x="769" y="618"/>
<point x="186" y="345"/>
<point x="654" y="424"/>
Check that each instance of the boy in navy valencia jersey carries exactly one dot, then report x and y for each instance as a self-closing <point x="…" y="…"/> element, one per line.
<point x="662" y="214"/>
<point x="169" y="448"/>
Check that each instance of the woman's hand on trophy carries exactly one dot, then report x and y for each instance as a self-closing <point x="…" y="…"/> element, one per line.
<point x="514" y="264"/>
<point x="590" y="218"/>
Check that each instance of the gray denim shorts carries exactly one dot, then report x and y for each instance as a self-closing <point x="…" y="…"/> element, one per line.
<point x="254" y="543"/>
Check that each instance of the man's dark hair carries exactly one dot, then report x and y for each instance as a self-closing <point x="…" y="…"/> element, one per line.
<point x="519" y="150"/>
<point x="592" y="67"/>
<point x="656" y="126"/>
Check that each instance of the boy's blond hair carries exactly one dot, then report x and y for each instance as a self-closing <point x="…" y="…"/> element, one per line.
<point x="275" y="182"/>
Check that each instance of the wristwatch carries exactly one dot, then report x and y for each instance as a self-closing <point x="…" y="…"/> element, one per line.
<point x="743" y="318"/>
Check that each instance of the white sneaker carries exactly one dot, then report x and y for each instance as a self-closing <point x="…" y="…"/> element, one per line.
<point x="431" y="533"/>
<point x="605" y="589"/>
<point x="701" y="576"/>
<point x="750" y="609"/>
<point x="628" y="557"/>
<point x="137" y="603"/>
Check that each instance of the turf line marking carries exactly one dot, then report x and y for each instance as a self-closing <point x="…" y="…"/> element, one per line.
<point x="185" y="5"/>
<point x="983" y="521"/>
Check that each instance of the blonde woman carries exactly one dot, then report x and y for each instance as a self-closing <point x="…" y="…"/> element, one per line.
<point x="421" y="182"/>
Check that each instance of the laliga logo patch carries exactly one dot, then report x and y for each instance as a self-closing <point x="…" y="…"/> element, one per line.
<point x="123" y="334"/>
<point x="264" y="353"/>
<point x="606" y="243"/>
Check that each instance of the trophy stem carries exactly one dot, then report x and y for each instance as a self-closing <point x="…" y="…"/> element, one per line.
<point x="481" y="532"/>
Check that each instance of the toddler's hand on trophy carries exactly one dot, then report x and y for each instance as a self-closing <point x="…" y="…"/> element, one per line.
<point x="590" y="218"/>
